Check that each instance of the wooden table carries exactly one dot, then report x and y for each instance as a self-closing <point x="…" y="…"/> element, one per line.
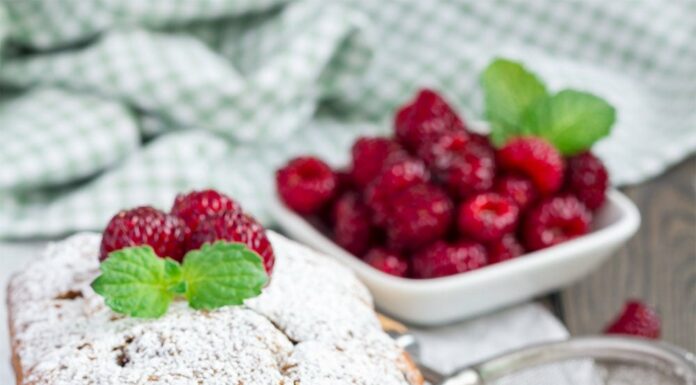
<point x="657" y="265"/>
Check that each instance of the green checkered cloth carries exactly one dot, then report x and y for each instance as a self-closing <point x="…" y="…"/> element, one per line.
<point x="106" y="104"/>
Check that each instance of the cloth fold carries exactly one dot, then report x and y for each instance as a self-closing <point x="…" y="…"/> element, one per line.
<point x="114" y="104"/>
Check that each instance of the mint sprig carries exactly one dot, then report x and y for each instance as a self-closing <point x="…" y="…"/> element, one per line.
<point x="136" y="282"/>
<point x="518" y="104"/>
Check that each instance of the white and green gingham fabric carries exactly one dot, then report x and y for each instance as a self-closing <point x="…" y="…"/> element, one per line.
<point x="106" y="104"/>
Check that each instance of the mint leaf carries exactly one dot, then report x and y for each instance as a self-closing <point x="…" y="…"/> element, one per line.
<point x="571" y="120"/>
<point x="509" y="90"/>
<point x="134" y="281"/>
<point x="222" y="274"/>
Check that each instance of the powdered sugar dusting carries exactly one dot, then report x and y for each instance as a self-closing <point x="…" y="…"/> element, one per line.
<point x="314" y="324"/>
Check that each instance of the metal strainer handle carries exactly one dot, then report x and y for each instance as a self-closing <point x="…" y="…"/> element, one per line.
<point x="624" y="349"/>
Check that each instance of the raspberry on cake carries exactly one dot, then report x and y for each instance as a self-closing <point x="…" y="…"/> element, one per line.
<point x="196" y="206"/>
<point x="234" y="226"/>
<point x="145" y="226"/>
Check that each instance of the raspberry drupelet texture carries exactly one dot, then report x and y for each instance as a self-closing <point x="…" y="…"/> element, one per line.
<point x="518" y="188"/>
<point x="636" y="319"/>
<point x="537" y="159"/>
<point x="392" y="180"/>
<point x="370" y="155"/>
<point x="487" y="217"/>
<point x="587" y="179"/>
<point x="306" y="184"/>
<point x="195" y="206"/>
<point x="145" y="226"/>
<point x="504" y="249"/>
<point x="420" y="215"/>
<point x="442" y="259"/>
<point x="387" y="261"/>
<point x="554" y="221"/>
<point x="234" y="226"/>
<point x="425" y="118"/>
<point x="352" y="224"/>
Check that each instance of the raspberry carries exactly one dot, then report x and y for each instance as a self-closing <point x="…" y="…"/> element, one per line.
<point x="234" y="226"/>
<point x="440" y="152"/>
<point x="470" y="172"/>
<point x="393" y="179"/>
<point x="517" y="188"/>
<point x="504" y="249"/>
<point x="636" y="319"/>
<point x="554" y="221"/>
<point x="370" y="155"/>
<point x="196" y="206"/>
<point x="487" y="217"/>
<point x="441" y="259"/>
<point x="587" y="179"/>
<point x="145" y="226"/>
<point x="306" y="184"/>
<point x="352" y="224"/>
<point x="420" y="215"/>
<point x="535" y="158"/>
<point x="425" y="118"/>
<point x="387" y="262"/>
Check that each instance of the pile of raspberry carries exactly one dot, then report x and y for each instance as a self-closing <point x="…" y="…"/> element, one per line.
<point x="196" y="218"/>
<point x="437" y="199"/>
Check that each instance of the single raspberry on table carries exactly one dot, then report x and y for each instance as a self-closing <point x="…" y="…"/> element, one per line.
<point x="518" y="188"/>
<point x="306" y="184"/>
<point x="234" y="226"/>
<point x="419" y="215"/>
<point x="144" y="226"/>
<point x="352" y="224"/>
<point x="425" y="118"/>
<point x="554" y="221"/>
<point x="487" y="217"/>
<point x="195" y="206"/>
<point x="535" y="158"/>
<point x="370" y="155"/>
<point x="387" y="261"/>
<point x="442" y="259"/>
<point x="504" y="249"/>
<point x="636" y="319"/>
<point x="587" y="179"/>
<point x="392" y="180"/>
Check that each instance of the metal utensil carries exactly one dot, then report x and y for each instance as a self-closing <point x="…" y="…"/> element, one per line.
<point x="647" y="362"/>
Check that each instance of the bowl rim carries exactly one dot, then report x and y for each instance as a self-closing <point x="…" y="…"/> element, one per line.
<point x="615" y="232"/>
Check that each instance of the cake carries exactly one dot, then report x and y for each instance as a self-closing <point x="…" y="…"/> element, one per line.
<point x="313" y="324"/>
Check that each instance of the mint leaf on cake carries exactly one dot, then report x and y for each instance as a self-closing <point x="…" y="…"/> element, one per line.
<point x="222" y="274"/>
<point x="134" y="281"/>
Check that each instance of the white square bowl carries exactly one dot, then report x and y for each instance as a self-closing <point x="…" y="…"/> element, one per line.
<point x="443" y="300"/>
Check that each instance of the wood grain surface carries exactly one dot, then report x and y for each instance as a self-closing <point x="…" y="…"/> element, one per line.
<point x="658" y="265"/>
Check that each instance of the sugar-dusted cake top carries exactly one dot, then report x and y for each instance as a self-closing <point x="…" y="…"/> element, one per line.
<point x="314" y="324"/>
